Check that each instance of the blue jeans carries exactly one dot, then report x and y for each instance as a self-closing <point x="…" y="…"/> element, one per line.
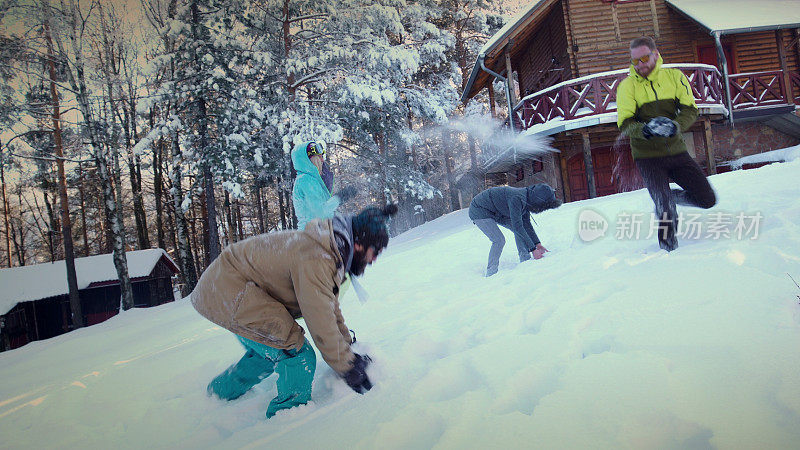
<point x="295" y="371"/>
<point x="491" y="229"/>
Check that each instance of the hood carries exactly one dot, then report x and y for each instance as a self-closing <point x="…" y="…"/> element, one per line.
<point x="541" y="197"/>
<point x="300" y="160"/>
<point x="635" y="75"/>
<point x="343" y="234"/>
<point x="342" y="230"/>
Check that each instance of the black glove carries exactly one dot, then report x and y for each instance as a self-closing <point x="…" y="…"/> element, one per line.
<point x="659" y="127"/>
<point x="356" y="377"/>
<point x="346" y="193"/>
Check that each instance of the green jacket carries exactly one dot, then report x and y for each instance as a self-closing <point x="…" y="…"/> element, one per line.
<point x="665" y="92"/>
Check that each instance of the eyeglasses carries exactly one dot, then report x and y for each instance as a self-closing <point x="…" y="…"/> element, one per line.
<point x="643" y="59"/>
<point x="315" y="148"/>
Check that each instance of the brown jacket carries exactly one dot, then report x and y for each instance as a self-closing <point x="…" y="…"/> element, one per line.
<point x="259" y="286"/>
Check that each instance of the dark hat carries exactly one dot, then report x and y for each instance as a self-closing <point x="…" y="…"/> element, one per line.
<point x="369" y="226"/>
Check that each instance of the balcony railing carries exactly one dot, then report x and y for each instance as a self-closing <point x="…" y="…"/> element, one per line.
<point x="752" y="90"/>
<point x="595" y="95"/>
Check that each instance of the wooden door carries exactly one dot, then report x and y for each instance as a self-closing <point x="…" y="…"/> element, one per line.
<point x="707" y="54"/>
<point x="614" y="172"/>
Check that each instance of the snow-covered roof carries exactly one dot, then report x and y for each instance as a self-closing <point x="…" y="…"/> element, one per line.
<point x="499" y="39"/>
<point x="741" y="16"/>
<point x="38" y="281"/>
<point x="511" y="26"/>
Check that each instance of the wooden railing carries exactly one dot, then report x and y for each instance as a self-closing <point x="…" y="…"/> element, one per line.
<point x="757" y="89"/>
<point x="597" y="94"/>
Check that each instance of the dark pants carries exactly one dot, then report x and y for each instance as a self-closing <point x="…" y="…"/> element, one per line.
<point x="683" y="170"/>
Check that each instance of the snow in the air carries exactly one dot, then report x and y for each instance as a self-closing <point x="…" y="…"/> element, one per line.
<point x="609" y="343"/>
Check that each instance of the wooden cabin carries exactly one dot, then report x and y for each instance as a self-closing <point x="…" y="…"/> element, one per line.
<point x="560" y="62"/>
<point x="34" y="300"/>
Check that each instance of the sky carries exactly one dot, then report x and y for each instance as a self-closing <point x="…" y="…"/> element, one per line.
<point x="606" y="342"/>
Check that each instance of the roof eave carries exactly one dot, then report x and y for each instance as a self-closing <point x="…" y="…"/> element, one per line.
<point x="499" y="41"/>
<point x="783" y="26"/>
<point x="472" y="77"/>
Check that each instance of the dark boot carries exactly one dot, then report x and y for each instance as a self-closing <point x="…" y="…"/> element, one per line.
<point x="666" y="235"/>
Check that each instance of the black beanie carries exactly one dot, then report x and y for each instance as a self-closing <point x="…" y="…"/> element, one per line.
<point x="369" y="226"/>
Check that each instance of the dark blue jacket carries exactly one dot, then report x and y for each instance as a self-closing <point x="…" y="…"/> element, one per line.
<point x="512" y="207"/>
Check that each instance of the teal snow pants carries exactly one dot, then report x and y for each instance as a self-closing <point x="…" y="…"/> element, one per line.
<point x="295" y="371"/>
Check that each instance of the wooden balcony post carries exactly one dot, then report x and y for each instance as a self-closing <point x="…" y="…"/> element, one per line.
<point x="787" y="81"/>
<point x="510" y="77"/>
<point x="708" y="141"/>
<point x="564" y="178"/>
<point x="587" y="161"/>
<point x="796" y="33"/>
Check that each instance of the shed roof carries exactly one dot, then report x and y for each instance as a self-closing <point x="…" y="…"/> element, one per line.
<point x="741" y="16"/>
<point x="38" y="281"/>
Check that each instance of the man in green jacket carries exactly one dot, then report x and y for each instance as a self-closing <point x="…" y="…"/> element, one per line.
<point x="655" y="106"/>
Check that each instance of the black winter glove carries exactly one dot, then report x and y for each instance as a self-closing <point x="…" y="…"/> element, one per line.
<point x="346" y="193"/>
<point x="659" y="127"/>
<point x="357" y="378"/>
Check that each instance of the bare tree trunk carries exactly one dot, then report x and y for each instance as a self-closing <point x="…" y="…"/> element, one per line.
<point x="66" y="226"/>
<point x="6" y="209"/>
<point x="79" y="87"/>
<point x="198" y="249"/>
<point x="157" y="187"/>
<point x="185" y="258"/>
<point x="448" y="163"/>
<point x="473" y="156"/>
<point x="53" y="225"/>
<point x="226" y="206"/>
<point x="281" y="206"/>
<point x="170" y="215"/>
<point x="83" y="211"/>
<point x="210" y="226"/>
<point x="19" y="245"/>
<point x="259" y="207"/>
<point x="105" y="223"/>
<point x="135" y="168"/>
<point x="290" y="208"/>
<point x="239" y="227"/>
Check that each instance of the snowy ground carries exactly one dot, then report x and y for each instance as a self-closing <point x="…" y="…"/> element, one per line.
<point x="604" y="344"/>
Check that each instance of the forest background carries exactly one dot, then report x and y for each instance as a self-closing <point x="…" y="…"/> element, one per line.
<point x="169" y="123"/>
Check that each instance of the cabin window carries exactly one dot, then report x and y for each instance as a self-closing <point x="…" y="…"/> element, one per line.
<point x="520" y="173"/>
<point x="537" y="166"/>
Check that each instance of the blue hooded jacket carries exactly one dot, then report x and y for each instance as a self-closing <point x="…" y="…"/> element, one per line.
<point x="312" y="198"/>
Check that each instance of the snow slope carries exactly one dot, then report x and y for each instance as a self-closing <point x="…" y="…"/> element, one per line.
<point x="604" y="344"/>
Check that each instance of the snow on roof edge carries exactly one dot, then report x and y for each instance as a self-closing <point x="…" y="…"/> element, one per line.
<point x="739" y="16"/>
<point x="39" y="281"/>
<point x="509" y="27"/>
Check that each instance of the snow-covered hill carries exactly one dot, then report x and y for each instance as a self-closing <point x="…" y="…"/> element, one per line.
<point x="604" y="344"/>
